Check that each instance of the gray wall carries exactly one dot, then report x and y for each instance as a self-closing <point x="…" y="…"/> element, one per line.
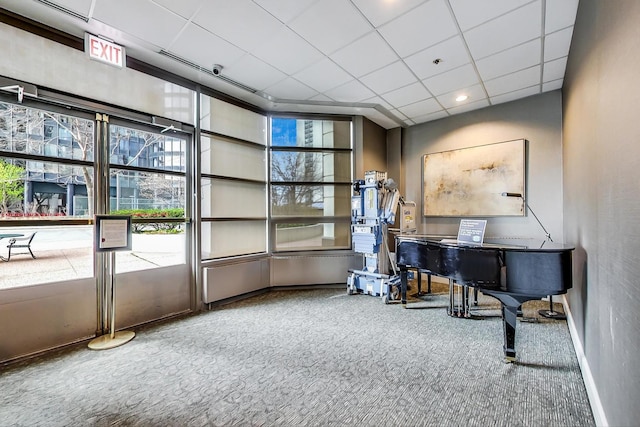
<point x="537" y="119"/>
<point x="394" y="157"/>
<point x="374" y="151"/>
<point x="602" y="210"/>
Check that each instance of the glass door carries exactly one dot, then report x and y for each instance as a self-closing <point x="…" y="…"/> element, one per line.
<point x="58" y="168"/>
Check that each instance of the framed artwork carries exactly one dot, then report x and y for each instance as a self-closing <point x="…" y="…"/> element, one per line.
<point x="471" y="181"/>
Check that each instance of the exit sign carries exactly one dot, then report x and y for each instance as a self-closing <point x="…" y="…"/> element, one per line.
<point x="104" y="50"/>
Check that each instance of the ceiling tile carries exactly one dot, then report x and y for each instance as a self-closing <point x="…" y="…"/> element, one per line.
<point x="398" y="115"/>
<point x="553" y="85"/>
<point x="474" y="93"/>
<point x="390" y="46"/>
<point x="452" y="54"/>
<point x="420" y="108"/>
<point x="518" y="94"/>
<point x="514" y="81"/>
<point x="354" y="91"/>
<point x="284" y="10"/>
<point x="469" y="107"/>
<point x="427" y="25"/>
<point x="470" y="13"/>
<point x="290" y="89"/>
<point x="189" y="44"/>
<point x="509" y="30"/>
<point x="430" y="117"/>
<point x="380" y="83"/>
<point x="379" y="12"/>
<point x="559" y="14"/>
<point x="357" y="59"/>
<point x="457" y="78"/>
<point x="323" y="75"/>
<point x="254" y="73"/>
<point x="184" y="8"/>
<point x="554" y="70"/>
<point x="557" y="44"/>
<point x="243" y="23"/>
<point x="508" y="61"/>
<point x="159" y="26"/>
<point x="83" y="7"/>
<point x="407" y="95"/>
<point x="286" y="51"/>
<point x="331" y="24"/>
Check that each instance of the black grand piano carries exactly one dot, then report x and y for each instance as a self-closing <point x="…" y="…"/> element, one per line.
<point x="512" y="270"/>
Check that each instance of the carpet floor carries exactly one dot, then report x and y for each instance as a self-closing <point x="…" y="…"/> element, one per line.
<point x="310" y="358"/>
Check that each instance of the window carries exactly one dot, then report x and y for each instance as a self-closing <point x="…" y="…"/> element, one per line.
<point x="148" y="181"/>
<point x="55" y="187"/>
<point x="46" y="186"/>
<point x="310" y="187"/>
<point x="233" y="184"/>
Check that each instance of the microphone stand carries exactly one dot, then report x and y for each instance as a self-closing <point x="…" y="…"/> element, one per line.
<point x="551" y="313"/>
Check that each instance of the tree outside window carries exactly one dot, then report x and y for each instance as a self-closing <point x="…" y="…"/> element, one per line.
<point x="11" y="186"/>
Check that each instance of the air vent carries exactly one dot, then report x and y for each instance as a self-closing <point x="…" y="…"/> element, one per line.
<point x="64" y="10"/>
<point x="207" y="71"/>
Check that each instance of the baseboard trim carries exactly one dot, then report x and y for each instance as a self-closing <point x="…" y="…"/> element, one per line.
<point x="592" y="392"/>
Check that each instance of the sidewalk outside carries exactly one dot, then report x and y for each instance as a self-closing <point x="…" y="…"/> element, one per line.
<point x="66" y="253"/>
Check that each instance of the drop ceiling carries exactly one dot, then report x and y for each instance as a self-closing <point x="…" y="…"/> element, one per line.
<point x="397" y="62"/>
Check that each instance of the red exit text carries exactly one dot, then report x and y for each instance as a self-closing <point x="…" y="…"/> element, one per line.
<point x="104" y="50"/>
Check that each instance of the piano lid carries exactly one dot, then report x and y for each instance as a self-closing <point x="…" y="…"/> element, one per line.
<point x="510" y="243"/>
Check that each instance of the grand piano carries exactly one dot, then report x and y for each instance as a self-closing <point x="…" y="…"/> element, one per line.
<point x="512" y="270"/>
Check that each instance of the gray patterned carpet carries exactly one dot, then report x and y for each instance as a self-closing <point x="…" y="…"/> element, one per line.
<point x="309" y="358"/>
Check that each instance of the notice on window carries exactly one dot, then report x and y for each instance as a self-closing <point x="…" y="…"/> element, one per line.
<point x="472" y="231"/>
<point x="113" y="233"/>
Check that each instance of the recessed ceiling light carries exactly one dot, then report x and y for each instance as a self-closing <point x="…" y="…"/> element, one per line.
<point x="462" y="98"/>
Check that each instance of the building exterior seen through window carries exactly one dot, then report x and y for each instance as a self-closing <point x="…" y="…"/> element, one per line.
<point x="33" y="186"/>
<point x="310" y="186"/>
<point x="47" y="172"/>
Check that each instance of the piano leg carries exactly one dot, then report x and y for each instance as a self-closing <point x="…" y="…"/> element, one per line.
<point x="452" y="299"/>
<point x="428" y="281"/>
<point x="510" y="305"/>
<point x="465" y="301"/>
<point x="419" y="273"/>
<point x="509" y="319"/>
<point x="403" y="287"/>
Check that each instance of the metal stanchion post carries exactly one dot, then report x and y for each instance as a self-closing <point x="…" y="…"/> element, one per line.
<point x="113" y="339"/>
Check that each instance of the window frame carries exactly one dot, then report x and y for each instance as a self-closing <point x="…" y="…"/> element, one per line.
<point x="210" y="222"/>
<point x="276" y="220"/>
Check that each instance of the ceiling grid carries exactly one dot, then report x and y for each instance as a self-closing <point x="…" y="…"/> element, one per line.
<point x="397" y="62"/>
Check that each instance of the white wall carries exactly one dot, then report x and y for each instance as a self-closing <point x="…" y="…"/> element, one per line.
<point x="36" y="60"/>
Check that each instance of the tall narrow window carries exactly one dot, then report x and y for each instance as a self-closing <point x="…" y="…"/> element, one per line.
<point x="148" y="181"/>
<point x="233" y="180"/>
<point x="310" y="184"/>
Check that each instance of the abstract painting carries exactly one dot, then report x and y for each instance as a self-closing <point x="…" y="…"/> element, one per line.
<point x="471" y="181"/>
